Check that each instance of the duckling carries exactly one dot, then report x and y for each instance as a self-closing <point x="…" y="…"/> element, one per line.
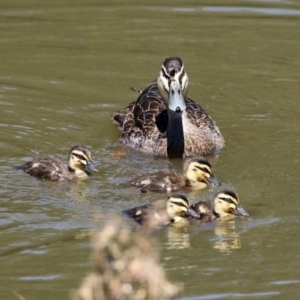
<point x="55" y="169"/>
<point x="164" y="122"/>
<point x="197" y="174"/>
<point x="224" y="206"/>
<point x="162" y="212"/>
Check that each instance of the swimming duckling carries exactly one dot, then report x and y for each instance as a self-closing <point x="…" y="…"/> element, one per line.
<point x="162" y="212"/>
<point x="55" y="169"/>
<point x="197" y="175"/>
<point x="224" y="206"/>
<point x="164" y="122"/>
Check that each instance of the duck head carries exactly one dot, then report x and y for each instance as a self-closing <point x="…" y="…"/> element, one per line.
<point x="80" y="158"/>
<point x="172" y="70"/>
<point x="198" y="170"/>
<point x="226" y="205"/>
<point x="178" y="208"/>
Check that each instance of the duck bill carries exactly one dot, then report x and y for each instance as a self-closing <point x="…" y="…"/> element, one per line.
<point x="191" y="213"/>
<point x="176" y="99"/>
<point x="214" y="180"/>
<point x="91" y="166"/>
<point x="239" y="211"/>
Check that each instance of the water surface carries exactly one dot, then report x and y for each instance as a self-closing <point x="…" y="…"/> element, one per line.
<point x="67" y="66"/>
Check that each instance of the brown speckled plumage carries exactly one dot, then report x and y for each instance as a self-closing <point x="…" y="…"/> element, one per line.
<point x="160" y="181"/>
<point x="144" y="125"/>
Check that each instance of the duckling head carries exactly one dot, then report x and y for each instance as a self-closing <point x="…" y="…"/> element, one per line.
<point x="172" y="70"/>
<point x="199" y="172"/>
<point x="80" y="158"/>
<point x="226" y="204"/>
<point x="178" y="208"/>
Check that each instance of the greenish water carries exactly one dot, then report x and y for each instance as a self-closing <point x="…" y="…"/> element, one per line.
<point x="66" y="66"/>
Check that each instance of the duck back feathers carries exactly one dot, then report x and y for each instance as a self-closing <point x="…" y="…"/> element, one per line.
<point x="53" y="169"/>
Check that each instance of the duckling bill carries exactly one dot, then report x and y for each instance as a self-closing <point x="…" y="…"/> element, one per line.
<point x="55" y="169"/>
<point x="198" y="174"/>
<point x="162" y="212"/>
<point x="225" y="205"/>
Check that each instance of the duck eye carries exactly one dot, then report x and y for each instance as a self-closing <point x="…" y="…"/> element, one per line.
<point x="172" y="72"/>
<point x="79" y="156"/>
<point x="203" y="169"/>
<point x="227" y="200"/>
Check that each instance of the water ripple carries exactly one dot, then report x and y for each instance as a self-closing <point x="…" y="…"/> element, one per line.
<point x="232" y="295"/>
<point x="262" y="10"/>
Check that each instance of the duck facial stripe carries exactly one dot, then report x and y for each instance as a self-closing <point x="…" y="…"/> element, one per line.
<point x="165" y="81"/>
<point x="173" y="73"/>
<point x="179" y="203"/>
<point x="165" y="74"/>
<point x="80" y="155"/>
<point x="204" y="169"/>
<point x="228" y="200"/>
<point x="181" y="75"/>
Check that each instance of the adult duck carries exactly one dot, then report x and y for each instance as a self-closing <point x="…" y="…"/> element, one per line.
<point x="164" y="122"/>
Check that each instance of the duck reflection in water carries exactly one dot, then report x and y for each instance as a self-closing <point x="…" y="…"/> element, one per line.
<point x="227" y="238"/>
<point x="178" y="237"/>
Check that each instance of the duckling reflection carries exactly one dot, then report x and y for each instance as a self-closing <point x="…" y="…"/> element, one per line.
<point x="177" y="237"/>
<point x="228" y="238"/>
<point x="79" y="193"/>
<point x="197" y="175"/>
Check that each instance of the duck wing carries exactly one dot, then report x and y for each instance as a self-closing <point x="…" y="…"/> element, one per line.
<point x="144" y="125"/>
<point x="161" y="181"/>
<point x="198" y="116"/>
<point x="141" y="116"/>
<point x="45" y="168"/>
<point x="138" y="214"/>
<point x="151" y="215"/>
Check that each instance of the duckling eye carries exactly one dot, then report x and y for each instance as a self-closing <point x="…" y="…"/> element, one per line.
<point x="79" y="156"/>
<point x="203" y="169"/>
<point x="227" y="200"/>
